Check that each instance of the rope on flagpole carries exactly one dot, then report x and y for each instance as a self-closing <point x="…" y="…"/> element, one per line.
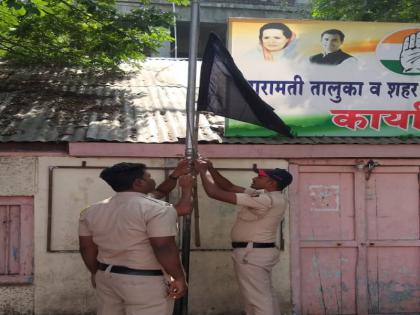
<point x="195" y="196"/>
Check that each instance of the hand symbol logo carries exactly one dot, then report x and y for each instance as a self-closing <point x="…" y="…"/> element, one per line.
<point x="410" y="53"/>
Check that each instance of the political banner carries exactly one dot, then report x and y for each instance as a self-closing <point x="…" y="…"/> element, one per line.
<point x="331" y="78"/>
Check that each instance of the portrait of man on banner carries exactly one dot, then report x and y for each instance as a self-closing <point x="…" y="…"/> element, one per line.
<point x="331" y="42"/>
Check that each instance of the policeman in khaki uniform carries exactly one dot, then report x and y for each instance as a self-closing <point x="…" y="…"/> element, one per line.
<point x="261" y="209"/>
<point x="128" y="242"/>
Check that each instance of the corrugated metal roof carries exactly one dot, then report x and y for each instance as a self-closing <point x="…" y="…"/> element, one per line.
<point x="145" y="106"/>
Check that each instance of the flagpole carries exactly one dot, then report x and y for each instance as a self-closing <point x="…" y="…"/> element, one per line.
<point x="190" y="150"/>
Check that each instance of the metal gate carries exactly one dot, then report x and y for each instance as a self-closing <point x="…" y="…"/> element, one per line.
<point x="355" y="238"/>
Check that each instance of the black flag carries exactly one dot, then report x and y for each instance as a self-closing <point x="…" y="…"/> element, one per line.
<point x="225" y="92"/>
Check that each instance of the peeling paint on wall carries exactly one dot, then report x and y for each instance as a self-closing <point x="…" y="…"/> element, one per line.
<point x="392" y="293"/>
<point x="324" y="197"/>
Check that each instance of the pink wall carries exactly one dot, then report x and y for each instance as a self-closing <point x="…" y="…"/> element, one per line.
<point x="246" y="150"/>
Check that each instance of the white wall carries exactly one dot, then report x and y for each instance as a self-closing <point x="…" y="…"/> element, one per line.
<point x="61" y="282"/>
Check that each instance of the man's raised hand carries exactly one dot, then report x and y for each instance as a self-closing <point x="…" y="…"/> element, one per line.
<point x="201" y="165"/>
<point x="181" y="168"/>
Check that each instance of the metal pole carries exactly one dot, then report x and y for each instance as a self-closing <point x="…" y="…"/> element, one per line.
<point x="192" y="71"/>
<point x="190" y="149"/>
<point x="175" y="34"/>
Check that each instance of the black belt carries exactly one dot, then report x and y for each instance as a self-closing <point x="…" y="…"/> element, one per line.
<point x="254" y="245"/>
<point x="129" y="271"/>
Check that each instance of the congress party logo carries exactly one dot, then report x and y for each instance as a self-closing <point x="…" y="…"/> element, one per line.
<point x="400" y="52"/>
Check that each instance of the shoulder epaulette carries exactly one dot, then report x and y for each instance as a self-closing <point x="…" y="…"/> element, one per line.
<point x="159" y="202"/>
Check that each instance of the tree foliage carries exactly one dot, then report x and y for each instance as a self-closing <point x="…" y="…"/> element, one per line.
<point x="84" y="33"/>
<point x="367" y="10"/>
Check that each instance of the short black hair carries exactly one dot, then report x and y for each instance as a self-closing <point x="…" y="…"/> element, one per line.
<point x="278" y="26"/>
<point x="282" y="177"/>
<point x="122" y="175"/>
<point x="334" y="32"/>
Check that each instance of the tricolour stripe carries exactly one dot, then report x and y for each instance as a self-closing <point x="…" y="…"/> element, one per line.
<point x="398" y="37"/>
<point x="360" y="46"/>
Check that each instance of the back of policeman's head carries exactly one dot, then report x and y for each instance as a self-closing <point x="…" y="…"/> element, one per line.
<point x="122" y="175"/>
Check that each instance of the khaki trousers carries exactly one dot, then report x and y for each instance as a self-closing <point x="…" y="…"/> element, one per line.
<point x="253" y="268"/>
<point x="119" y="294"/>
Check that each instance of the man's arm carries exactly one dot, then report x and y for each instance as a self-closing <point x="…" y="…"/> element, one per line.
<point x="184" y="205"/>
<point x="166" y="253"/>
<point x="89" y="252"/>
<point x="211" y="188"/>
<point x="221" y="181"/>
<point x="169" y="183"/>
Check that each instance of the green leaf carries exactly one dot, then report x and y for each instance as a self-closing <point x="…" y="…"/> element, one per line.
<point x="21" y="11"/>
<point x="372" y="10"/>
<point x="180" y="2"/>
<point x="86" y="33"/>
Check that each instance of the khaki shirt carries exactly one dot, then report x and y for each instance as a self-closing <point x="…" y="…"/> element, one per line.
<point x="122" y="225"/>
<point x="259" y="215"/>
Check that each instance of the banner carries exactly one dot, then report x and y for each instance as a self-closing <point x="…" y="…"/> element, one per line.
<point x="331" y="78"/>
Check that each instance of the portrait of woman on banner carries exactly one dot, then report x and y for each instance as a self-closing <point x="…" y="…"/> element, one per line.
<point x="276" y="41"/>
